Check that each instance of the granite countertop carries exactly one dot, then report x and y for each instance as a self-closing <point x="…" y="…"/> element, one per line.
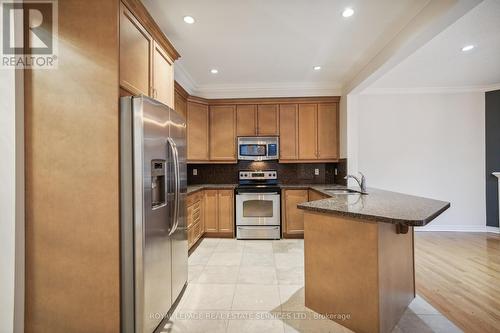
<point x="378" y="205"/>
<point x="199" y="187"/>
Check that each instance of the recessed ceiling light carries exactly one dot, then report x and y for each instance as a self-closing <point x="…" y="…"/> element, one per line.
<point x="348" y="12"/>
<point x="189" y="19"/>
<point x="467" y="48"/>
<point x="214" y="71"/>
<point x="317" y="68"/>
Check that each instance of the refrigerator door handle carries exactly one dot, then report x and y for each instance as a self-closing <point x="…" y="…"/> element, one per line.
<point x="178" y="187"/>
<point x="176" y="184"/>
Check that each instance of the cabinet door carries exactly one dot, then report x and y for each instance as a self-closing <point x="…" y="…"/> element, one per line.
<point x="210" y="210"/>
<point x="180" y="104"/>
<point x="307" y="131"/>
<point x="327" y="131"/>
<point x="223" y="133"/>
<point x="163" y="76"/>
<point x="246" y="118"/>
<point x="294" y="217"/>
<point x="226" y="211"/>
<point x="288" y="131"/>
<point x="197" y="132"/>
<point x="202" y="215"/>
<point x="135" y="54"/>
<point x="267" y="120"/>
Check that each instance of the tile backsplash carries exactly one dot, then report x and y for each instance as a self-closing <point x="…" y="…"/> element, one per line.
<point x="293" y="173"/>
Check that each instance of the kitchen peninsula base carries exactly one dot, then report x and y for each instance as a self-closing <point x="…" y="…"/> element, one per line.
<point x="359" y="273"/>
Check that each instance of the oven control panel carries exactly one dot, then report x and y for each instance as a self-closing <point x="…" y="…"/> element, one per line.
<point x="258" y="175"/>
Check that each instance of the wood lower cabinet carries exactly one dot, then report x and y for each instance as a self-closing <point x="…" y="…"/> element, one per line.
<point x="211" y="213"/>
<point x="211" y="218"/>
<point x="225" y="211"/>
<point x="219" y="213"/>
<point x="136" y="45"/>
<point x="194" y="217"/>
<point x="288" y="132"/>
<point x="163" y="76"/>
<point x="197" y="132"/>
<point x="223" y="133"/>
<point x="292" y="217"/>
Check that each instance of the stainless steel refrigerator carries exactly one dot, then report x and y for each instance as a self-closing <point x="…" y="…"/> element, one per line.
<point x="153" y="181"/>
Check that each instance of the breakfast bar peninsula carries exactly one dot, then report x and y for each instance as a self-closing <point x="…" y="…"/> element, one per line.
<point x="359" y="255"/>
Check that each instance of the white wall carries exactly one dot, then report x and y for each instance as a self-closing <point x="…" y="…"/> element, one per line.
<point x="429" y="145"/>
<point x="11" y="203"/>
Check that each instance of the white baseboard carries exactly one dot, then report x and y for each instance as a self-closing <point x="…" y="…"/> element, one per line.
<point x="495" y="230"/>
<point x="458" y="228"/>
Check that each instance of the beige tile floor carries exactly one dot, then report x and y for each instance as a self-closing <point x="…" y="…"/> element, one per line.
<point x="258" y="286"/>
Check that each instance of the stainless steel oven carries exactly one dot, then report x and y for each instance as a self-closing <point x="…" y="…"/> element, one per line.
<point x="258" y="148"/>
<point x="258" y="214"/>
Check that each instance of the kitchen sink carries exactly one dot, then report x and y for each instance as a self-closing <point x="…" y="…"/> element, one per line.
<point x="341" y="191"/>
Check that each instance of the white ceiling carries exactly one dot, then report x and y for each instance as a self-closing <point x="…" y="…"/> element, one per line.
<point x="269" y="47"/>
<point x="440" y="65"/>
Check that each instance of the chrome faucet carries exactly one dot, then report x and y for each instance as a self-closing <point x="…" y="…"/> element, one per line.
<point x="361" y="181"/>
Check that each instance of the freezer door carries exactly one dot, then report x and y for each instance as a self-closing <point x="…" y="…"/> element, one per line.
<point x="179" y="233"/>
<point x="153" y="293"/>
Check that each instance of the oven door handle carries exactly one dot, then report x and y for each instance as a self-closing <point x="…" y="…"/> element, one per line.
<point x="271" y="227"/>
<point x="259" y="193"/>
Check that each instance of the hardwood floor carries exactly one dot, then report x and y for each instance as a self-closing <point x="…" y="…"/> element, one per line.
<point x="459" y="274"/>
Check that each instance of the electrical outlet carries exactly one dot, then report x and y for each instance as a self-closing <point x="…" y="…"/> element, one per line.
<point x="316" y="172"/>
<point x="195" y="172"/>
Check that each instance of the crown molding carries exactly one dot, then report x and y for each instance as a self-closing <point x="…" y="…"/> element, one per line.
<point x="183" y="78"/>
<point x="430" y="90"/>
<point x="271" y="90"/>
<point x="263" y="90"/>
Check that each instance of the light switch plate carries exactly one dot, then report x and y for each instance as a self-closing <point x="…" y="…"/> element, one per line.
<point x="316" y="172"/>
<point x="195" y="172"/>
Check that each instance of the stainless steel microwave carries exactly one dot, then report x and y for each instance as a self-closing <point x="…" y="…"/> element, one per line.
<point x="252" y="148"/>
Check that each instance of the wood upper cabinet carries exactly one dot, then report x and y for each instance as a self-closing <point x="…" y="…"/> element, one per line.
<point x="210" y="211"/>
<point x="246" y="120"/>
<point x="308" y="147"/>
<point x="288" y="131"/>
<point x="180" y="104"/>
<point x="267" y="119"/>
<point x="223" y="133"/>
<point x="293" y="218"/>
<point x="136" y="45"/>
<point x="257" y="120"/>
<point x="145" y="67"/>
<point x="226" y="211"/>
<point x="197" y="132"/>
<point x="327" y="131"/>
<point x="163" y="76"/>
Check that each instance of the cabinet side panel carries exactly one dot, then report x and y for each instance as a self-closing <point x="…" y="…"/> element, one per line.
<point x="72" y="177"/>
<point x="396" y="274"/>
